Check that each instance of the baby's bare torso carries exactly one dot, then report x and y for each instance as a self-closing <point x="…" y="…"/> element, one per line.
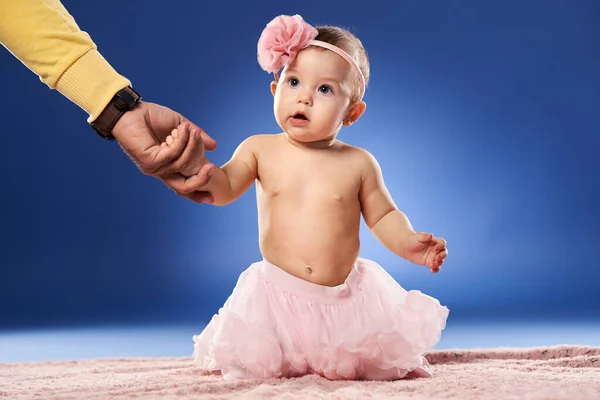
<point x="309" y="208"/>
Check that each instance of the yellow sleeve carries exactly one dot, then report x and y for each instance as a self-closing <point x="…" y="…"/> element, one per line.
<point x="45" y="37"/>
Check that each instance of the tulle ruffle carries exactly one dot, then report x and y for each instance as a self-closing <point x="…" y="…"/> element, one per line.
<point x="381" y="332"/>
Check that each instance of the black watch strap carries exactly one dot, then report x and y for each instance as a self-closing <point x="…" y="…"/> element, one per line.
<point x="123" y="101"/>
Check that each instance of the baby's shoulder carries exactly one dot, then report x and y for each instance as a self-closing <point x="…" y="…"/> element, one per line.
<point x="357" y="153"/>
<point x="363" y="159"/>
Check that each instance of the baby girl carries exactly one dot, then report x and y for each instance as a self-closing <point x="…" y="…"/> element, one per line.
<point x="312" y="304"/>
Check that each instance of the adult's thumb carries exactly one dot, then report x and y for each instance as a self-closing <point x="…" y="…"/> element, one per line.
<point x="208" y="142"/>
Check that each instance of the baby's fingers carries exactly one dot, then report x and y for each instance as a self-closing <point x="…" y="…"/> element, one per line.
<point x="443" y="254"/>
<point x="440" y="244"/>
<point x="437" y="263"/>
<point x="169" y="140"/>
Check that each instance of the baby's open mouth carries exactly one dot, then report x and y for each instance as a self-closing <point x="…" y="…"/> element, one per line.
<point x="300" y="116"/>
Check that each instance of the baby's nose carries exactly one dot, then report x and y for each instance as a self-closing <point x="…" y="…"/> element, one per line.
<point x="305" y="99"/>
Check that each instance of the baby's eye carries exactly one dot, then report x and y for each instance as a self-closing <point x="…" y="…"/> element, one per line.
<point x="293" y="82"/>
<point x="325" y="89"/>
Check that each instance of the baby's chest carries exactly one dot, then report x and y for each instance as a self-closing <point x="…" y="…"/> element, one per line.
<point x="328" y="184"/>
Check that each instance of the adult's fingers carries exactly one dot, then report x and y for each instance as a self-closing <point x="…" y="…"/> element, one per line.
<point x="199" y="197"/>
<point x="209" y="143"/>
<point x="184" y="186"/>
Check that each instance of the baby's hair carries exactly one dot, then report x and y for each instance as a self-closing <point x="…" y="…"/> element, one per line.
<point x="352" y="45"/>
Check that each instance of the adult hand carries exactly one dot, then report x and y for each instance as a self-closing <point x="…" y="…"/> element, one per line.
<point x="141" y="131"/>
<point x="190" y="187"/>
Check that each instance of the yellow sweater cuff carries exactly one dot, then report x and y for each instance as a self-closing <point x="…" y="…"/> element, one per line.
<point x="91" y="82"/>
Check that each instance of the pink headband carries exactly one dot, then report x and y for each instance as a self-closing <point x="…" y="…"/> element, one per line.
<point x="284" y="36"/>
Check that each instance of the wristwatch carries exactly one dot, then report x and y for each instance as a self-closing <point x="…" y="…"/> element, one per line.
<point x="125" y="100"/>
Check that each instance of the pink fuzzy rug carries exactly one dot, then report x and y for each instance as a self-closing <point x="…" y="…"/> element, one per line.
<point x="559" y="372"/>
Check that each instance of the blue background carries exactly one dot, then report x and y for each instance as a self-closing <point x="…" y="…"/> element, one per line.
<point x="483" y="116"/>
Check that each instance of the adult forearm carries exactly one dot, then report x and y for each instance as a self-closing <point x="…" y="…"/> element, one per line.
<point x="392" y="229"/>
<point x="45" y="37"/>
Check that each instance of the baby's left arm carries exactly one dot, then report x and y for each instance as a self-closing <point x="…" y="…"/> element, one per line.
<point x="390" y="225"/>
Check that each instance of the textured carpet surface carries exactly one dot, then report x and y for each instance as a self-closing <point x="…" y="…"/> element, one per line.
<point x="558" y="372"/>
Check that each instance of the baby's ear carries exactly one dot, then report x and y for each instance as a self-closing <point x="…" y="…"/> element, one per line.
<point x="356" y="111"/>
<point x="273" y="87"/>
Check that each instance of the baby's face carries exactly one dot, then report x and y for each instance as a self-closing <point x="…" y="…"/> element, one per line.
<point x="312" y="96"/>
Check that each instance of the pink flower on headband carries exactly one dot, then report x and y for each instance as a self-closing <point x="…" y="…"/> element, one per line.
<point x="281" y="40"/>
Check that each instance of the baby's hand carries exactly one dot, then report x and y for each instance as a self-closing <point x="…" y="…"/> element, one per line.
<point x="425" y="249"/>
<point x="194" y="177"/>
<point x="194" y="165"/>
<point x="169" y="139"/>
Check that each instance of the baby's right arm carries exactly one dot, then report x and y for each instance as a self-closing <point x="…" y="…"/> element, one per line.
<point x="230" y="181"/>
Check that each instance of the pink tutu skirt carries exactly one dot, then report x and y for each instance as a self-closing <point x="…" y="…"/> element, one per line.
<point x="277" y="325"/>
